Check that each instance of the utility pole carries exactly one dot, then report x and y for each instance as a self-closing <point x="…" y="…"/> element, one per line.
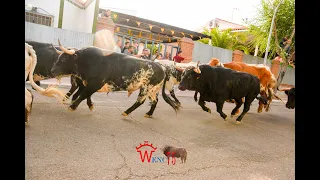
<point x="269" y="38"/>
<point x="233" y="12"/>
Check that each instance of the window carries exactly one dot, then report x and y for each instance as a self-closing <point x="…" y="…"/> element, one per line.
<point x="38" y="18"/>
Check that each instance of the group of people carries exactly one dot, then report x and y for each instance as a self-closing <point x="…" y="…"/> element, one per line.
<point x="132" y="50"/>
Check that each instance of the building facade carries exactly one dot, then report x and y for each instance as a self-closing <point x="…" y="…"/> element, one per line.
<point x="75" y="15"/>
<point x="221" y="25"/>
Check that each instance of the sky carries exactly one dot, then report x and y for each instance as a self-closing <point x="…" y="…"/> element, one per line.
<point x="185" y="14"/>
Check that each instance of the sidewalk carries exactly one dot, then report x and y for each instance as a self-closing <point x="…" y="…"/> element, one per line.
<point x="64" y="82"/>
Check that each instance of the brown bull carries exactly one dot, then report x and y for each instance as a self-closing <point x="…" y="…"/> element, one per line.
<point x="267" y="79"/>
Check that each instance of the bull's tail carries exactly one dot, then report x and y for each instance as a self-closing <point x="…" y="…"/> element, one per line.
<point x="50" y="91"/>
<point x="164" y="95"/>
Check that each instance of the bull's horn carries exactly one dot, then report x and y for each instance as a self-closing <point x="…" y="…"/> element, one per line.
<point x="284" y="89"/>
<point x="58" y="52"/>
<point x="71" y="52"/>
<point x="197" y="69"/>
<point x="179" y="69"/>
<point x="277" y="97"/>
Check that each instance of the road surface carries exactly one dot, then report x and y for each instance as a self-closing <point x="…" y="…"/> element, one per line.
<point x="101" y="144"/>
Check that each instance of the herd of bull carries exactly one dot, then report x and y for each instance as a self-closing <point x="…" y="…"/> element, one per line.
<point x="100" y="70"/>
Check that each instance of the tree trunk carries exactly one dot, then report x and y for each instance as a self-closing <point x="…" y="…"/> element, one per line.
<point x="285" y="62"/>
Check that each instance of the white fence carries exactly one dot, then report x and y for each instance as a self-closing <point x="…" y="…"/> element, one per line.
<point x="45" y="34"/>
<point x="203" y="53"/>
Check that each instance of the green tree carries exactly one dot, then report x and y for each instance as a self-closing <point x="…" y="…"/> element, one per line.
<point x="153" y="48"/>
<point x="226" y="39"/>
<point x="284" y="25"/>
<point x="259" y="27"/>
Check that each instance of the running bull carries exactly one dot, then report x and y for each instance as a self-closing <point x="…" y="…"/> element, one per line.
<point x="107" y="71"/>
<point x="47" y="55"/>
<point x="290" y="91"/>
<point x="174" y="71"/>
<point x="220" y="84"/>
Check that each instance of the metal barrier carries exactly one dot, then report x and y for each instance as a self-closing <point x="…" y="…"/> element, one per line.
<point x="145" y="42"/>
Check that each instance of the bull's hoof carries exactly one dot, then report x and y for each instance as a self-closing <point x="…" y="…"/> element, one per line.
<point x="267" y="109"/>
<point x="209" y="110"/>
<point x="26" y="123"/>
<point x="66" y="97"/>
<point x="259" y="110"/>
<point x="91" y="107"/>
<point x="225" y="119"/>
<point x="124" y="114"/>
<point x="238" y="122"/>
<point x="147" y="116"/>
<point x="71" y="109"/>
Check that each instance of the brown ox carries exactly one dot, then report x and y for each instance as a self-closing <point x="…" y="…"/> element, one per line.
<point x="267" y="79"/>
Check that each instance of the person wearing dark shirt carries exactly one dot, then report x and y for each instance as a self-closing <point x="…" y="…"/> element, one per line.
<point x="126" y="45"/>
<point x="145" y="53"/>
<point x="284" y="42"/>
<point x="135" y="47"/>
<point x="178" y="58"/>
<point x="129" y="51"/>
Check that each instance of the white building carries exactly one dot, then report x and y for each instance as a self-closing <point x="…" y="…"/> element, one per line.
<point x="221" y="25"/>
<point x="76" y="15"/>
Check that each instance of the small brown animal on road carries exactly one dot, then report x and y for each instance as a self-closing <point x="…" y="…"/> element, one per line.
<point x="171" y="151"/>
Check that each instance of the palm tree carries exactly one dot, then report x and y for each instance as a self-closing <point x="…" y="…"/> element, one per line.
<point x="226" y="39"/>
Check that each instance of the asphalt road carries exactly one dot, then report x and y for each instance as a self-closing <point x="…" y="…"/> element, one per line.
<point x="101" y="144"/>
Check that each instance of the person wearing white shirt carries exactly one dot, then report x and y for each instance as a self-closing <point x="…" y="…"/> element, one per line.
<point x="117" y="48"/>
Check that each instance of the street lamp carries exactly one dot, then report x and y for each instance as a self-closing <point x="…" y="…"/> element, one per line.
<point x="271" y="27"/>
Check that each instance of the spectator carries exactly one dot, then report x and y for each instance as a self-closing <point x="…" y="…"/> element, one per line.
<point x="118" y="46"/>
<point x="126" y="45"/>
<point x="135" y="47"/>
<point x="145" y="53"/>
<point x="178" y="58"/>
<point x="159" y="56"/>
<point x="108" y="13"/>
<point x="156" y="55"/>
<point x="167" y="56"/>
<point x="129" y="51"/>
<point x="284" y="42"/>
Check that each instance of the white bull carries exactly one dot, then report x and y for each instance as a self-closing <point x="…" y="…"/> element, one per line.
<point x="30" y="64"/>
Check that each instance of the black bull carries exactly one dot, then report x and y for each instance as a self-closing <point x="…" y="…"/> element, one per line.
<point x="47" y="56"/>
<point x="291" y="93"/>
<point x="106" y="71"/>
<point x="216" y="84"/>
